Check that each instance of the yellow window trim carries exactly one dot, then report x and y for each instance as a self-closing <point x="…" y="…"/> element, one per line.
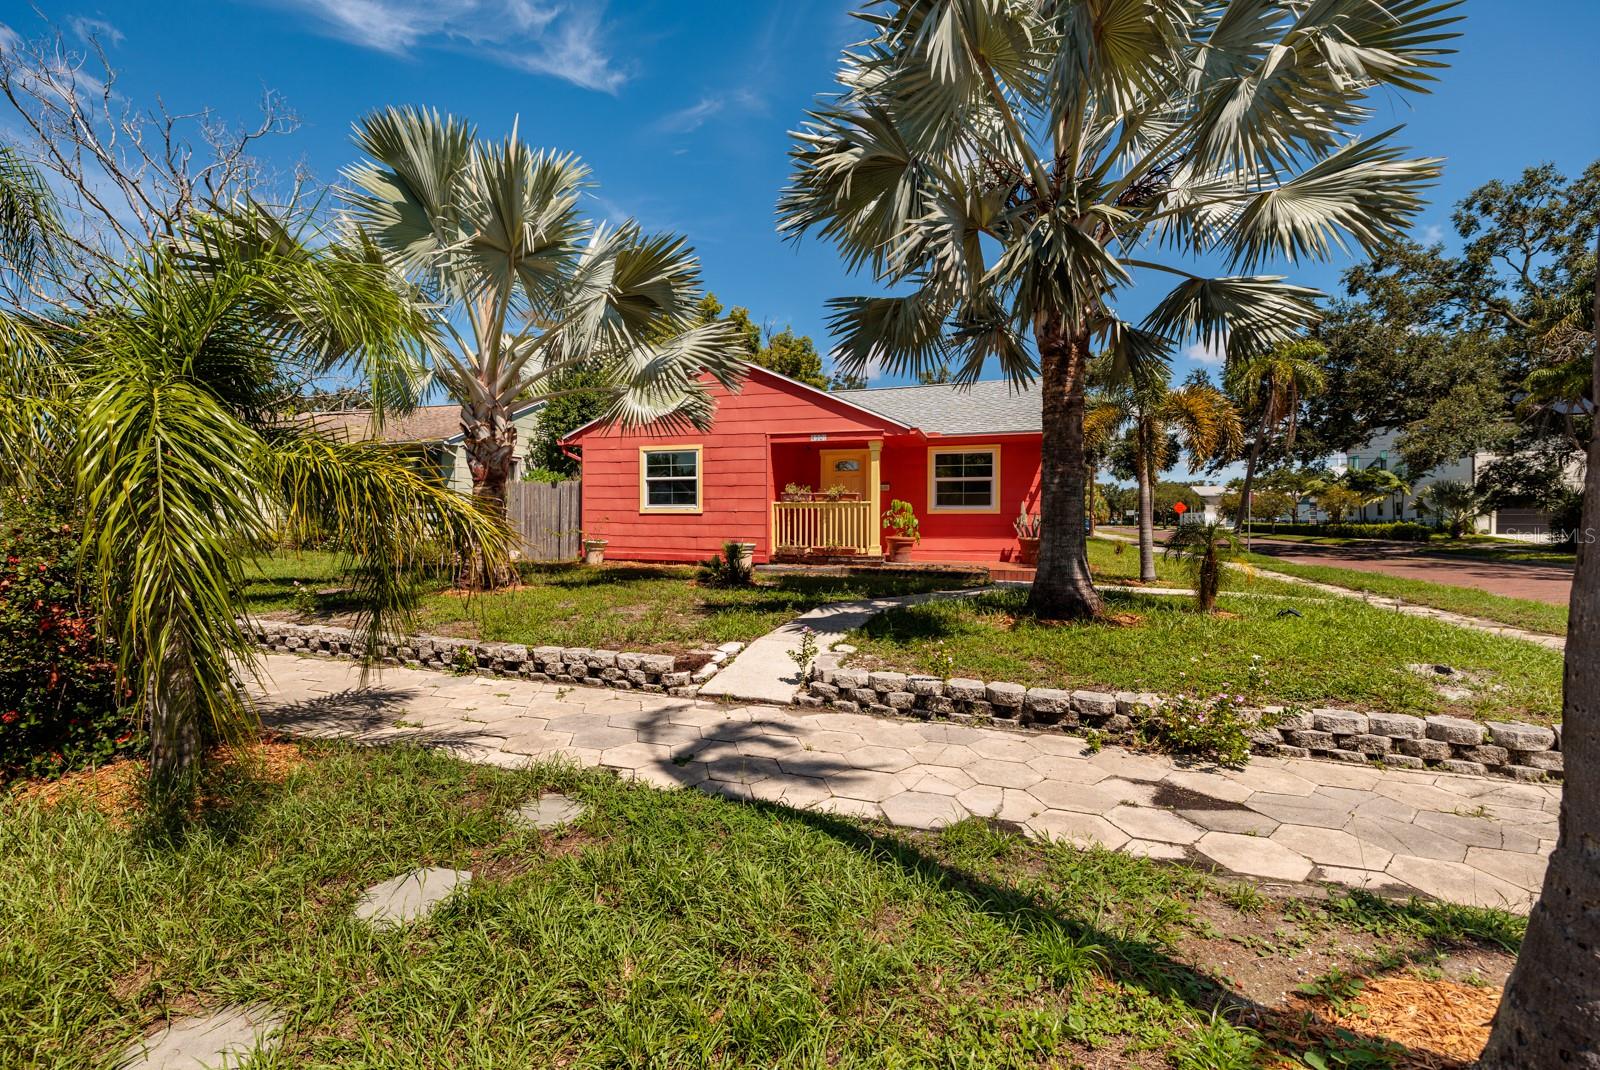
<point x="699" y="480"/>
<point x="994" y="498"/>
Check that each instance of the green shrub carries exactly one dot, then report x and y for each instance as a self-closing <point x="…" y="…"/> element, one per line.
<point x="727" y="570"/>
<point x="1399" y="530"/>
<point x="59" y="707"/>
<point x="1216" y="727"/>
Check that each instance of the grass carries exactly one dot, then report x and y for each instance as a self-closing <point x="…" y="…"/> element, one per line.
<point x="1335" y="651"/>
<point x="617" y="607"/>
<point x="1117" y="563"/>
<point x="664" y="929"/>
<point x="1500" y="553"/>
<point x="1524" y="613"/>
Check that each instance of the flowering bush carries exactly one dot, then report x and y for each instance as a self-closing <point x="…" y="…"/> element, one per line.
<point x="1216" y="726"/>
<point x="59" y="706"/>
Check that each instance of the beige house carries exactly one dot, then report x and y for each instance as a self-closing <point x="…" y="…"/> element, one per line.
<point x="436" y="432"/>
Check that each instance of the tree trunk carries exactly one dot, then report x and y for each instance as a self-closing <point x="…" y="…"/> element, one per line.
<point x="1249" y="483"/>
<point x="1550" y="1013"/>
<point x="490" y="440"/>
<point x="1147" y="507"/>
<point x="1062" y="587"/>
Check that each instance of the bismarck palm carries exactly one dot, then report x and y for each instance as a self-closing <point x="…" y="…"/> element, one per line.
<point x="1012" y="165"/>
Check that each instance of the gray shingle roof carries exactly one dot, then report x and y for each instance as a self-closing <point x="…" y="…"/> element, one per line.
<point x="993" y="407"/>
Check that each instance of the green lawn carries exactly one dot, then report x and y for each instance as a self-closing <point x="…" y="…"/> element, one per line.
<point x="1502" y="553"/>
<point x="663" y="930"/>
<point x="1518" y="612"/>
<point x="1337" y="651"/>
<point x="618" y="607"/>
<point x="1117" y="563"/>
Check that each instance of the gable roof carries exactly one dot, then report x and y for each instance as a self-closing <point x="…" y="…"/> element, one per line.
<point x="425" y="423"/>
<point x="991" y="407"/>
<point x="816" y="396"/>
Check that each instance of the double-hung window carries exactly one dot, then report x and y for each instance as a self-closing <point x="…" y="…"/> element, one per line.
<point x="965" y="480"/>
<point x="669" y="480"/>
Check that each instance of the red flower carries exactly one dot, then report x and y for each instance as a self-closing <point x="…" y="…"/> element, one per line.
<point x="8" y="716"/>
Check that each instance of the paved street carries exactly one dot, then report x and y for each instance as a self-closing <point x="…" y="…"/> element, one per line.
<point x="1542" y="583"/>
<point x="1464" y="839"/>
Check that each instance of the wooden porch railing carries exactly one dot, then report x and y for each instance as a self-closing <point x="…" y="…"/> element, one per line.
<point x="839" y="526"/>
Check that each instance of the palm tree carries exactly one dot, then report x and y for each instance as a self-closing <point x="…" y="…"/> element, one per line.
<point x="157" y="411"/>
<point x="1550" y="1013"/>
<point x="1456" y="504"/>
<point x="1014" y="164"/>
<point x="1374" y="484"/>
<point x="1196" y="417"/>
<point x="1272" y="385"/>
<point x="532" y="290"/>
<point x="1200" y="547"/>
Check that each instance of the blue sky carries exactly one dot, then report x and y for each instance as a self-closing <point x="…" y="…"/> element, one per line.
<point x="682" y="107"/>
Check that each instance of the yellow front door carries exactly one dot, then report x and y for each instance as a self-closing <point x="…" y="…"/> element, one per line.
<point x="845" y="468"/>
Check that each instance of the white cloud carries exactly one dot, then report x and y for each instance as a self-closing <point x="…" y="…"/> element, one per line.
<point x="89" y="30"/>
<point x="1431" y="233"/>
<point x="687" y="120"/>
<point x="564" y="41"/>
<point x="1205" y="353"/>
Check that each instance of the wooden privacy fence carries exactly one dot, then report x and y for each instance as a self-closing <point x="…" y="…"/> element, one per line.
<point x="548" y="517"/>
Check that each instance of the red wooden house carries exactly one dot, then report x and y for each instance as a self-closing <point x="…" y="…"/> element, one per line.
<point x="967" y="459"/>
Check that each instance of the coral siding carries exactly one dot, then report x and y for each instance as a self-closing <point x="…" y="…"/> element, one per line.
<point x="758" y="443"/>
<point x="736" y="489"/>
<point x="964" y="537"/>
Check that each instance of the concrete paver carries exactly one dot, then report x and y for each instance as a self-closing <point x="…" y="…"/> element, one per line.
<point x="1466" y="839"/>
<point x="226" y="1038"/>
<point x="409" y="896"/>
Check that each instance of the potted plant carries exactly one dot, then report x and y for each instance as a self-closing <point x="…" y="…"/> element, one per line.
<point x="594" y="551"/>
<point x="840" y="493"/>
<point x="797" y="492"/>
<point x="1027" y="525"/>
<point x="901" y="520"/>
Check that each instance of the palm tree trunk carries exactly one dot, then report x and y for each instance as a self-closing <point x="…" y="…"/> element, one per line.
<point x="1249" y="482"/>
<point x="490" y="440"/>
<point x="177" y="739"/>
<point x="1062" y="587"/>
<point x="1550" y="1013"/>
<point x="1147" y="508"/>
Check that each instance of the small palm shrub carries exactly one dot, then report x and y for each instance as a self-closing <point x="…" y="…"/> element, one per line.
<point x="59" y="703"/>
<point x="729" y="569"/>
<point x="1202" y="548"/>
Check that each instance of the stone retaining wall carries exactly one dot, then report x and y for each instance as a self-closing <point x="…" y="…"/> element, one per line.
<point x="625" y="671"/>
<point x="1449" y="744"/>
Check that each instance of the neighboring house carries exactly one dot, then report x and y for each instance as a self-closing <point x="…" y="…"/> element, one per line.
<point x="966" y="459"/>
<point x="435" y="430"/>
<point x="1380" y="452"/>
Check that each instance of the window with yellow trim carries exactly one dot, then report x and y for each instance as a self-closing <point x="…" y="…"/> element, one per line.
<point x="670" y="478"/>
<point x="964" y="479"/>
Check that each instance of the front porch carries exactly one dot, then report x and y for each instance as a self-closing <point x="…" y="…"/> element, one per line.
<point x="827" y="500"/>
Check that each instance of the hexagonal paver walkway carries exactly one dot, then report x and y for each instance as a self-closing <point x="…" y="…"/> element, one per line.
<point x="1464" y="839"/>
<point x="226" y="1038"/>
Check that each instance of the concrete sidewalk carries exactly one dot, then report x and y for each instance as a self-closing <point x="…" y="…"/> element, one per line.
<point x="1463" y="839"/>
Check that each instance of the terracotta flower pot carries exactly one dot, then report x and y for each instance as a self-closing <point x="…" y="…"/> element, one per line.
<point x="898" y="548"/>
<point x="1027" y="551"/>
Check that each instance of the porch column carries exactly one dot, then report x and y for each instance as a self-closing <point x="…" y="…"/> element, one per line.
<point x="874" y="492"/>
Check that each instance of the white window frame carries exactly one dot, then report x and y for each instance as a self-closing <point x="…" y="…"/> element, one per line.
<point x="645" y="479"/>
<point x="933" y="479"/>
